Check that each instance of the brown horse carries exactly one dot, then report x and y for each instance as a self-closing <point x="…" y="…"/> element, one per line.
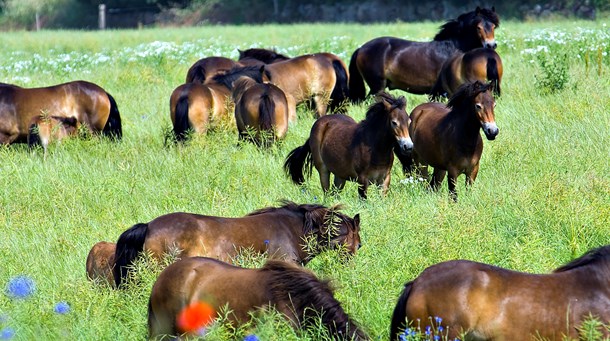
<point x="193" y="106"/>
<point x="206" y="68"/>
<point x="361" y="152"/>
<point x="100" y="262"/>
<point x="282" y="232"/>
<point x="261" y="111"/>
<point x="414" y="66"/>
<point x="45" y="129"/>
<point x="294" y="291"/>
<point x="485" y="302"/>
<point x="91" y="105"/>
<point x="340" y="91"/>
<point x="447" y="137"/>
<point x="481" y="64"/>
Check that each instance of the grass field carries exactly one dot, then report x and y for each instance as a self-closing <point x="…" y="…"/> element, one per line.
<point x="541" y="199"/>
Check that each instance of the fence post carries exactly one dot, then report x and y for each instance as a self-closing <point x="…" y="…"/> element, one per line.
<point x="37" y="21"/>
<point x="102" y="16"/>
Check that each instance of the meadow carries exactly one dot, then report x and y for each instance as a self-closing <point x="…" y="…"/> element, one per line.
<point x="542" y="196"/>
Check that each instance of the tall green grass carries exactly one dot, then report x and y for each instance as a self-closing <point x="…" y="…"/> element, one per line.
<point x="542" y="196"/>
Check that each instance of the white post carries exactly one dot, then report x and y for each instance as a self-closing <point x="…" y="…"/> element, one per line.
<point x="102" y="16"/>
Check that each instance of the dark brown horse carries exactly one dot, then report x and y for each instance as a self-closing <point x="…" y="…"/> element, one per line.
<point x="447" y="137"/>
<point x="414" y="66"/>
<point x="46" y="129"/>
<point x="361" y="152"/>
<point x="100" y="262"/>
<point x="261" y="111"/>
<point x="281" y="232"/>
<point x="208" y="67"/>
<point x="91" y="105"/>
<point x="193" y="106"/>
<point x="294" y="291"/>
<point x="485" y="302"/>
<point x="481" y="64"/>
<point x="340" y="92"/>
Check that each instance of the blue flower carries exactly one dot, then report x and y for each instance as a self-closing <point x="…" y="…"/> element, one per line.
<point x="251" y="337"/>
<point x="20" y="287"/>
<point x="428" y="329"/>
<point x="402" y="337"/>
<point x="267" y="242"/>
<point x="437" y="338"/>
<point x="62" y="308"/>
<point x="7" y="333"/>
<point x="438" y="320"/>
<point x="440" y="329"/>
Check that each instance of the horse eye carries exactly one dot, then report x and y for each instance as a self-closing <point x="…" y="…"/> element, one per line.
<point x="478" y="106"/>
<point x="394" y="123"/>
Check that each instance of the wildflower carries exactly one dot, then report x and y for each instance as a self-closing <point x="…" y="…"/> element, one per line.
<point x="438" y="320"/>
<point x="266" y="242"/>
<point x="440" y="329"/>
<point x="428" y="330"/>
<point x="62" y="308"/>
<point x="251" y="337"/>
<point x="7" y="333"/>
<point x="20" y="287"/>
<point x="437" y="338"/>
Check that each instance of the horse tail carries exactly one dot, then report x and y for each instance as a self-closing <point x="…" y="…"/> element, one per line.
<point x="181" y="118"/>
<point x="298" y="160"/>
<point x="196" y="74"/>
<point x="266" y="116"/>
<point x="128" y="247"/>
<point x="400" y="313"/>
<point x="493" y="74"/>
<point x="357" y="91"/>
<point x="341" y="90"/>
<point x="113" y="127"/>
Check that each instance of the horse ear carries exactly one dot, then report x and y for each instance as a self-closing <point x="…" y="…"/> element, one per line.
<point x="357" y="221"/>
<point x="477" y="11"/>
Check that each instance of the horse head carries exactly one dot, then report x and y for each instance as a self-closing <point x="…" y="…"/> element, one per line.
<point x="477" y="97"/>
<point x="486" y="22"/>
<point x="398" y="119"/>
<point x="473" y="29"/>
<point x="332" y="229"/>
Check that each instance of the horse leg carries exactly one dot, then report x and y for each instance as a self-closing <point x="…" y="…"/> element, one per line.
<point x="321" y="105"/>
<point x="363" y="185"/>
<point x="324" y="178"/>
<point x="292" y="108"/>
<point x="472" y="176"/>
<point x="339" y="183"/>
<point x="437" y="178"/>
<point x="451" y="182"/>
<point x="386" y="183"/>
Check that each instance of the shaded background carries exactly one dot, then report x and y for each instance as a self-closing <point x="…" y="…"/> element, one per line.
<point x="83" y="14"/>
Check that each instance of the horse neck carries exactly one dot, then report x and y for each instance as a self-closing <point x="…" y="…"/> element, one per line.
<point x="378" y="135"/>
<point x="465" y="126"/>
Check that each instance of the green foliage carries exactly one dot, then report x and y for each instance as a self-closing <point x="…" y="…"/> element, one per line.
<point x="554" y="77"/>
<point x="541" y="197"/>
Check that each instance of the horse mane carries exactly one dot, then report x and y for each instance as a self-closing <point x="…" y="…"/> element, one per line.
<point x="592" y="256"/>
<point x="266" y="56"/>
<point x="453" y="29"/>
<point x="308" y="297"/>
<point x="467" y="91"/>
<point x="379" y="109"/>
<point x="228" y="78"/>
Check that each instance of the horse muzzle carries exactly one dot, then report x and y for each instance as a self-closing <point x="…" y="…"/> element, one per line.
<point x="491" y="44"/>
<point x="405" y="144"/>
<point x="491" y="130"/>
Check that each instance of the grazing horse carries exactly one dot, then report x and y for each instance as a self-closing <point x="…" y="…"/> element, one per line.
<point x="45" y="129"/>
<point x="91" y="105"/>
<point x="100" y="262"/>
<point x="207" y="68"/>
<point x="193" y="105"/>
<point x="294" y="291"/>
<point x="361" y="152"/>
<point x="261" y="111"/>
<point x="282" y="232"/>
<point x="414" y="66"/>
<point x="485" y="302"/>
<point x="447" y="137"/>
<point x="481" y="64"/>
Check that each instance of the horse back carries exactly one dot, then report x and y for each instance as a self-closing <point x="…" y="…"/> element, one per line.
<point x="303" y="76"/>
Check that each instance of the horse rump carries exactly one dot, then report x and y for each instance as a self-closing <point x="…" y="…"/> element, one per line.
<point x="113" y="127"/>
<point x="128" y="247"/>
<point x="298" y="160"/>
<point x="399" y="315"/>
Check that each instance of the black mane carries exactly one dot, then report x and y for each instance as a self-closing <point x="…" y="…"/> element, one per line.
<point x="378" y="109"/>
<point x="464" y="94"/>
<point x="462" y="28"/>
<point x="227" y="78"/>
<point x="310" y="298"/>
<point x="591" y="257"/>
<point x="264" y="55"/>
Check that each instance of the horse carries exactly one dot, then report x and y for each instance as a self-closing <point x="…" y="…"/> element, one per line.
<point x="261" y="111"/>
<point x="481" y="64"/>
<point x="295" y="292"/>
<point x="281" y="232"/>
<point x="206" y="68"/>
<point x="361" y="152"/>
<point x="91" y="105"/>
<point x="447" y="137"/>
<point x="45" y="129"/>
<point x="414" y="66"/>
<point x="486" y="302"/>
<point x="340" y="92"/>
<point x="194" y="105"/>
<point x="100" y="262"/>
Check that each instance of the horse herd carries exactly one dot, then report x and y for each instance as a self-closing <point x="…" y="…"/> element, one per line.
<point x="470" y="300"/>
